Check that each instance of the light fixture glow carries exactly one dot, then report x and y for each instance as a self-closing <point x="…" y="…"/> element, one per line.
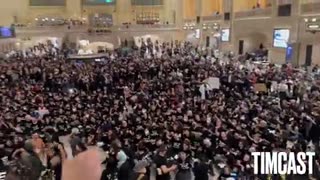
<point x="314" y="19"/>
<point x="315" y="26"/>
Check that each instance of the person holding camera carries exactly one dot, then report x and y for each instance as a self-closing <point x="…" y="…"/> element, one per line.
<point x="163" y="170"/>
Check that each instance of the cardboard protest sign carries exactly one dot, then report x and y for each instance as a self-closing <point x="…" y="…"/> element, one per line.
<point x="212" y="83"/>
<point x="260" y="87"/>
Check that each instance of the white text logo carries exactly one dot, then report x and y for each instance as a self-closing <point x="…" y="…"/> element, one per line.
<point x="283" y="163"/>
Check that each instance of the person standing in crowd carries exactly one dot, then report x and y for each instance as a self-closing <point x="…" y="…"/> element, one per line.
<point x="184" y="167"/>
<point x="201" y="169"/>
<point x="39" y="146"/>
<point x="123" y="164"/>
<point x="27" y="165"/>
<point x="163" y="169"/>
<point x="75" y="141"/>
<point x="56" y="157"/>
<point x="140" y="171"/>
<point x="227" y="174"/>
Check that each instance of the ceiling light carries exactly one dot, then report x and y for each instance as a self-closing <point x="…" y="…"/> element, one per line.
<point x="314" y="19"/>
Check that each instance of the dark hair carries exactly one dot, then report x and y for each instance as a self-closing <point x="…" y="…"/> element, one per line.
<point x="162" y="148"/>
<point x="82" y="147"/>
<point x="55" y="138"/>
<point x="116" y="145"/>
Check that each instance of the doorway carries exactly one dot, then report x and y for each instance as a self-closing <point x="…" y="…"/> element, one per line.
<point x="241" y="43"/>
<point x="308" y="61"/>
<point x="208" y="41"/>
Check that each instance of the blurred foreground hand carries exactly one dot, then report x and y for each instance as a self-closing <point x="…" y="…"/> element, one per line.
<point x="86" y="166"/>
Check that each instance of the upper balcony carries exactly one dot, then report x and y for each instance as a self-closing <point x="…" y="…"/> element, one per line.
<point x="217" y="17"/>
<point x="311" y="8"/>
<point x="251" y="9"/>
<point x="254" y="13"/>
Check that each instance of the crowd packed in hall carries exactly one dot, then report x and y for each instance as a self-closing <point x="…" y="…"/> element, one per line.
<point x="153" y="108"/>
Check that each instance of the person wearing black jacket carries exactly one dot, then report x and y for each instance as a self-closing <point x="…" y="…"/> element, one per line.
<point x="201" y="170"/>
<point x="163" y="171"/>
<point x="184" y="167"/>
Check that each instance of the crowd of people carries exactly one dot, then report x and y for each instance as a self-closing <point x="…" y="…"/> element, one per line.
<point x="150" y="111"/>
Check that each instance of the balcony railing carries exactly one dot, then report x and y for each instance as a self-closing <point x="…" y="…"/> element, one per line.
<point x="310" y="8"/>
<point x="212" y="18"/>
<point x="259" y="12"/>
<point x="85" y="28"/>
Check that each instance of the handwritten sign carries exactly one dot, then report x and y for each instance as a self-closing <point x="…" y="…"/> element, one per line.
<point x="260" y="87"/>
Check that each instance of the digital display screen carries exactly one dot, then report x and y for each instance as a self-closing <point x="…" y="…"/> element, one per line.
<point x="6" y="32"/>
<point x="281" y="38"/>
<point x="99" y="2"/>
<point x="225" y="35"/>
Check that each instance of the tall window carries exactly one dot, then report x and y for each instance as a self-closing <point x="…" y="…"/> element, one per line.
<point x="98" y="2"/>
<point x="47" y="2"/>
<point x="282" y="2"/>
<point x="147" y="3"/>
